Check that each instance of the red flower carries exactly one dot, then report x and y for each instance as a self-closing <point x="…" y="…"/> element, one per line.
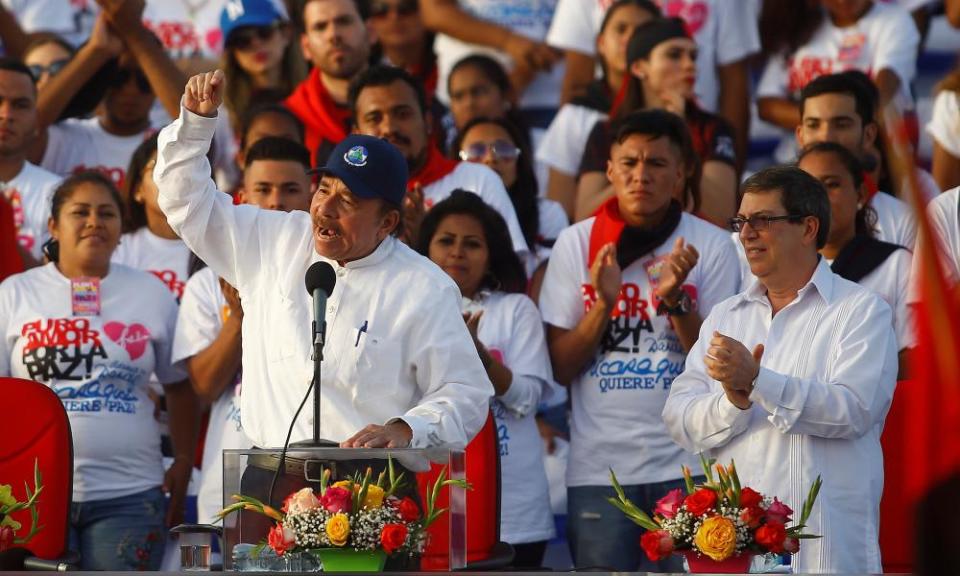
<point x="700" y="501"/>
<point x="750" y="498"/>
<point x="393" y="537"/>
<point x="779" y="512"/>
<point x="6" y="537"/>
<point x="657" y="544"/>
<point x="281" y="539"/>
<point x="752" y="516"/>
<point x="408" y="509"/>
<point x="791" y="545"/>
<point x="336" y="499"/>
<point x="771" y="536"/>
<point x="669" y="505"/>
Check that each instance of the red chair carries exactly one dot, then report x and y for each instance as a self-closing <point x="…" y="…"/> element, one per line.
<point x="485" y="551"/>
<point x="35" y="429"/>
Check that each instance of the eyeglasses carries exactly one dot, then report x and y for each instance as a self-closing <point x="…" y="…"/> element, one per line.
<point x="123" y="75"/>
<point x="502" y="150"/>
<point x="761" y="222"/>
<point x="242" y="38"/>
<point x="52" y="70"/>
<point x="402" y="8"/>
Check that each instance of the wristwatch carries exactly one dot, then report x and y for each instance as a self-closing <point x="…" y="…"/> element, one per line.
<point x="682" y="307"/>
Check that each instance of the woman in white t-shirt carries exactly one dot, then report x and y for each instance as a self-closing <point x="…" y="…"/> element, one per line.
<point x="94" y="332"/>
<point x="469" y="240"/>
<point x="499" y="144"/>
<point x="149" y="243"/>
<point x="851" y="249"/>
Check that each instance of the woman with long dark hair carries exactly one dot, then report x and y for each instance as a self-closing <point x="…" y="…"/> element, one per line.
<point x="469" y="240"/>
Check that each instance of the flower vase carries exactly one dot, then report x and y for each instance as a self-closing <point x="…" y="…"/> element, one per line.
<point x="702" y="564"/>
<point x="350" y="560"/>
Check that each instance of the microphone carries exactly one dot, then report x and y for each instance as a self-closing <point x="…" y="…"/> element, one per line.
<point x="319" y="280"/>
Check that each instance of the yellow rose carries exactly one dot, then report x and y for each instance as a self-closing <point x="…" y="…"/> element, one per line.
<point x="338" y="529"/>
<point x="345" y="484"/>
<point x="374" y="497"/>
<point x="717" y="538"/>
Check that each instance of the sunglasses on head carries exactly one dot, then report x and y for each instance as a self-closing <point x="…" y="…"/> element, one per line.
<point x="502" y="150"/>
<point x="402" y="8"/>
<point x="123" y="75"/>
<point x="242" y="38"/>
<point x="53" y="69"/>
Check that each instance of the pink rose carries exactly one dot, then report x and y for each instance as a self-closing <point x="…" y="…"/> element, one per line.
<point x="281" y="539"/>
<point x="791" y="545"/>
<point x="669" y="505"/>
<point x="779" y="512"/>
<point x="301" y="501"/>
<point x="336" y="499"/>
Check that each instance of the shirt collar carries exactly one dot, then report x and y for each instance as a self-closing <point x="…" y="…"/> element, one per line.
<point x="372" y="259"/>
<point x="821" y="281"/>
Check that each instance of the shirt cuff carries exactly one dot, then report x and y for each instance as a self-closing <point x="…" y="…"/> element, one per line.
<point x="730" y="413"/>
<point x="195" y="126"/>
<point x="768" y="389"/>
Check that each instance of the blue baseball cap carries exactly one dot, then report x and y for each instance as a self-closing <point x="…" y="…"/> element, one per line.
<point x="370" y="167"/>
<point x="240" y="13"/>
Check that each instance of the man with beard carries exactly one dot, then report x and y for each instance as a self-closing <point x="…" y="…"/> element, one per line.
<point x="389" y="103"/>
<point x="399" y="366"/>
<point x="336" y="40"/>
<point x="136" y="69"/>
<point x="25" y="186"/>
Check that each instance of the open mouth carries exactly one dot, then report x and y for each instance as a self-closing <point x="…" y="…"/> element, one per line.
<point x="325" y="234"/>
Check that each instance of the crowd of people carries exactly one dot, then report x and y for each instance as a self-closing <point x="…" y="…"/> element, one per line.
<point x="543" y="210"/>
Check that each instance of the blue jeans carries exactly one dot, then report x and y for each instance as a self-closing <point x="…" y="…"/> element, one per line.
<point x="122" y="534"/>
<point x="601" y="535"/>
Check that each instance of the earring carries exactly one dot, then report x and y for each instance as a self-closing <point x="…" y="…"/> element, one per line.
<point x="859" y="205"/>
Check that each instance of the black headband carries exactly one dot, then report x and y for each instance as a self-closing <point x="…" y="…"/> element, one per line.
<point x="649" y="34"/>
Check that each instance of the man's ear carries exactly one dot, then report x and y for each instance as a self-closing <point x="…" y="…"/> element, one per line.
<point x="870" y="132"/>
<point x="811" y="230"/>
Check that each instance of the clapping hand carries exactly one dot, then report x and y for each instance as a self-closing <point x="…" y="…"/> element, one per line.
<point x="730" y="363"/>
<point x="675" y="270"/>
<point x="605" y="274"/>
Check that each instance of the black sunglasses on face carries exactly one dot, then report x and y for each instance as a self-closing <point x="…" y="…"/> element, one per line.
<point x="402" y="8"/>
<point x="53" y="69"/>
<point x="761" y="222"/>
<point x="123" y="75"/>
<point x="242" y="38"/>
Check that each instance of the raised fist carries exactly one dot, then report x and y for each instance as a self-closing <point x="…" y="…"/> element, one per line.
<point x="204" y="93"/>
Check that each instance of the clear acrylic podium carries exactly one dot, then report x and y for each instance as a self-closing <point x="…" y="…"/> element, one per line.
<point x="251" y="472"/>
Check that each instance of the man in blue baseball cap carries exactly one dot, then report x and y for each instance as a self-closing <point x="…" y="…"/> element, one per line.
<point x="399" y="367"/>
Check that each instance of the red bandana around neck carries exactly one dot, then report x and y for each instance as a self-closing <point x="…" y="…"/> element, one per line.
<point x="436" y="167"/>
<point x="323" y="118"/>
<point x="607" y="228"/>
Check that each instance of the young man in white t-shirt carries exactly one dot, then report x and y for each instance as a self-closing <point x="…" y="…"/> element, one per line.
<point x="28" y="188"/>
<point x="623" y="299"/>
<point x="132" y="63"/>
<point x="839" y="108"/>
<point x="390" y="104"/>
<point x="211" y="314"/>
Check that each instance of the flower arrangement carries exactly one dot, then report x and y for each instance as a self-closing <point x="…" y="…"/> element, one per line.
<point x="354" y="513"/>
<point x="718" y="519"/>
<point x="9" y="505"/>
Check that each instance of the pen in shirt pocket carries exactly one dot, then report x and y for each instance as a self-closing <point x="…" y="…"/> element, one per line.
<point x="360" y="332"/>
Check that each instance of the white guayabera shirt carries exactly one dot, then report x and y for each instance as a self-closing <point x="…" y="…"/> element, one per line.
<point x="826" y="381"/>
<point x="396" y="344"/>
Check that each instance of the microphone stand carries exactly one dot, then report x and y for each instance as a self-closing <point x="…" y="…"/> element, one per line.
<point x="319" y="338"/>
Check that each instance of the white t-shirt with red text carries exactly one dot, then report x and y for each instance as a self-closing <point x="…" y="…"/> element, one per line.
<point x="725" y="31"/>
<point x="512" y="331"/>
<point x="168" y="260"/>
<point x="617" y="399"/>
<point x="76" y="145"/>
<point x="30" y="194"/>
<point x="99" y="365"/>
<point x="884" y="38"/>
<point x="70" y="19"/>
<point x="203" y="311"/>
<point x="186" y="31"/>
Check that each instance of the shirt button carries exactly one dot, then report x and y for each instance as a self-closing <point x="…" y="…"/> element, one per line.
<point x="341" y="271"/>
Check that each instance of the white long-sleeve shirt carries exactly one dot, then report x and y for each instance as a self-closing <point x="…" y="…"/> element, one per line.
<point x="396" y="344"/>
<point x="826" y="381"/>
